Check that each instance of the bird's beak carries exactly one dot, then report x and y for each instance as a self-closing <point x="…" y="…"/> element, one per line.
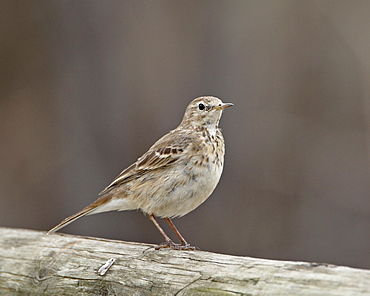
<point x="223" y="106"/>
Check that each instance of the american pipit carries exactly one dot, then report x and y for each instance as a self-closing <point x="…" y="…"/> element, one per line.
<point x="177" y="174"/>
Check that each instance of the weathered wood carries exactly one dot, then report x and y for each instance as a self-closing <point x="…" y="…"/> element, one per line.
<point x="33" y="263"/>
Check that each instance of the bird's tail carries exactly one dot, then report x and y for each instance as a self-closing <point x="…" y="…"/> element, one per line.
<point x="70" y="219"/>
<point x="90" y="209"/>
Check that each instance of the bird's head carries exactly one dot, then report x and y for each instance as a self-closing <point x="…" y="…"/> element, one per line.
<point x="204" y="111"/>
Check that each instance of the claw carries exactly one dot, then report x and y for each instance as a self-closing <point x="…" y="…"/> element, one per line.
<point x="175" y="246"/>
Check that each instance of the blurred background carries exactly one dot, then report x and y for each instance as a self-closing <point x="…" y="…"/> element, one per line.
<point x="88" y="86"/>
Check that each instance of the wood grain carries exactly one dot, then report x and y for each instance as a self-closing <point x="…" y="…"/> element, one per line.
<point x="33" y="263"/>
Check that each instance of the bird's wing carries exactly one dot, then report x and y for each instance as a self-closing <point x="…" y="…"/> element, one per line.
<point x="165" y="152"/>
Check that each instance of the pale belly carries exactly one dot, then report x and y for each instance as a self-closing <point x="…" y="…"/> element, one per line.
<point x="174" y="192"/>
<point x="183" y="191"/>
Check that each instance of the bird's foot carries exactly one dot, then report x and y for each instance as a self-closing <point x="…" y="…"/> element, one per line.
<point x="174" y="246"/>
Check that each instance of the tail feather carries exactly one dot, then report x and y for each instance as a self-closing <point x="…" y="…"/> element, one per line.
<point x="90" y="209"/>
<point x="70" y="219"/>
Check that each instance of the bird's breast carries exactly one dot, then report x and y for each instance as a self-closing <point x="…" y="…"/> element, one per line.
<point x="189" y="183"/>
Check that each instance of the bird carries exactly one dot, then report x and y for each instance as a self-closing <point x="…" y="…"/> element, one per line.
<point x="176" y="175"/>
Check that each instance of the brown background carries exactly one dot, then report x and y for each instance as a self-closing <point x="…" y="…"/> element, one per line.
<point x="87" y="86"/>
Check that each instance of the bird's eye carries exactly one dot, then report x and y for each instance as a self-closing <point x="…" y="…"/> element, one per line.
<point x="201" y="106"/>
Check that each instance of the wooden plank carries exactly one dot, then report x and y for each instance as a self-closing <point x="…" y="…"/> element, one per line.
<point x="34" y="263"/>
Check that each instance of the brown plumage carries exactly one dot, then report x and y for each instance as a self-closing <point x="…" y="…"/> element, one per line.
<point x="174" y="176"/>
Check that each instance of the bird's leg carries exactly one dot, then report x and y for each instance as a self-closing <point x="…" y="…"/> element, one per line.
<point x="169" y="243"/>
<point x="181" y="238"/>
<point x="184" y="244"/>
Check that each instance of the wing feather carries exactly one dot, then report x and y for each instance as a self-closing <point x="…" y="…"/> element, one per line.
<point x="165" y="152"/>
